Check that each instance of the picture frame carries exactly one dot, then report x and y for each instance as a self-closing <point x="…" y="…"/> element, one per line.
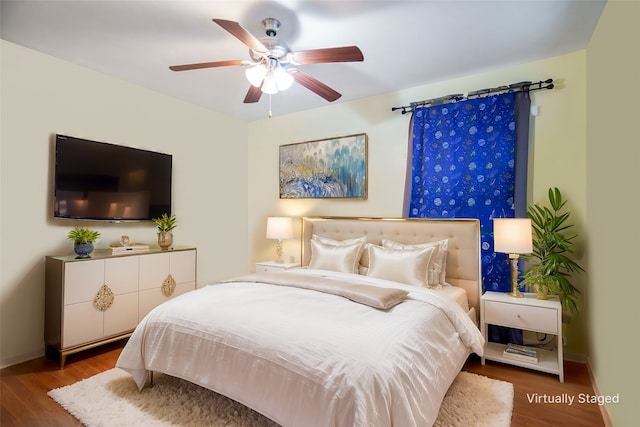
<point x="331" y="168"/>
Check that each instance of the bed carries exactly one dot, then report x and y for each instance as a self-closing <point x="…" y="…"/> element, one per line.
<point x="370" y="331"/>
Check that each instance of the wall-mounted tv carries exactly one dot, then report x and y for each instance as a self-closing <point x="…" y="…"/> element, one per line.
<point x="107" y="182"/>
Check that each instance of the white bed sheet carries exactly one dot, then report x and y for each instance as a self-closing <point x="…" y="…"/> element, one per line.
<point x="302" y="357"/>
<point x="456" y="294"/>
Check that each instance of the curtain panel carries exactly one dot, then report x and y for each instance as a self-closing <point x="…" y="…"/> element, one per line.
<point x="468" y="159"/>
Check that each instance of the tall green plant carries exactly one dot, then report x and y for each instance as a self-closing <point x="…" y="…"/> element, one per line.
<point x="552" y="244"/>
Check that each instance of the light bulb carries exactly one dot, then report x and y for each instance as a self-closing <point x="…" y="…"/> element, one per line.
<point x="256" y="74"/>
<point x="284" y="80"/>
<point x="269" y="85"/>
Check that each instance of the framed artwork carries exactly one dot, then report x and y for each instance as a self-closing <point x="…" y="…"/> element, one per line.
<point x="332" y="168"/>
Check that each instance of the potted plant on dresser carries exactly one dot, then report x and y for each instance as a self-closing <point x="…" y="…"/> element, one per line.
<point x="552" y="246"/>
<point x="166" y="223"/>
<point x="83" y="239"/>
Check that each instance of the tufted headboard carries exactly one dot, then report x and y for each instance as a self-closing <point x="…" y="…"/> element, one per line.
<point x="463" y="257"/>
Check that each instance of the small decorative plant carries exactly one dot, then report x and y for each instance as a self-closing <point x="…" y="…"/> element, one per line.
<point x="552" y="244"/>
<point x="165" y="223"/>
<point x="81" y="235"/>
<point x="83" y="239"/>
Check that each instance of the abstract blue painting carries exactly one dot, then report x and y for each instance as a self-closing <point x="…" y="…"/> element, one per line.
<point x="326" y="168"/>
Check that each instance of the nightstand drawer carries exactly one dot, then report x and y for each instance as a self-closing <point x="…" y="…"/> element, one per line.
<point x="271" y="266"/>
<point x="261" y="268"/>
<point x="539" y="319"/>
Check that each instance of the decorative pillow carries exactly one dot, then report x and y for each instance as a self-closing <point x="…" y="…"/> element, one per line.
<point x="400" y="265"/>
<point x="364" y="258"/>
<point x="437" y="269"/>
<point x="341" y="258"/>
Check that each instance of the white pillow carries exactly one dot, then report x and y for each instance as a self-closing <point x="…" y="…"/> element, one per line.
<point x="341" y="258"/>
<point x="437" y="269"/>
<point x="400" y="265"/>
<point x="364" y="258"/>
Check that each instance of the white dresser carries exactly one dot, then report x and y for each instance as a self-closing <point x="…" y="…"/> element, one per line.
<point x="93" y="301"/>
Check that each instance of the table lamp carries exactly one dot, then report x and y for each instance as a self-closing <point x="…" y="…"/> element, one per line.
<point x="278" y="229"/>
<point x="513" y="236"/>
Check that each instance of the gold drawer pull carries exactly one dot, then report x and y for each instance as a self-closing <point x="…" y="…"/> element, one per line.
<point x="168" y="286"/>
<point x="104" y="298"/>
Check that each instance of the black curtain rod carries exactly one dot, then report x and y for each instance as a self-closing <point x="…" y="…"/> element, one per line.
<point x="514" y="87"/>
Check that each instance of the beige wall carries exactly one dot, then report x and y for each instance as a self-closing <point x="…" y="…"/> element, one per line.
<point x="558" y="153"/>
<point x="613" y="160"/>
<point x="42" y="96"/>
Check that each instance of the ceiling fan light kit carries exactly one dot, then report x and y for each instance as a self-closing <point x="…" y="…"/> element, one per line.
<point x="269" y="85"/>
<point x="256" y="74"/>
<point x="283" y="79"/>
<point x="273" y="66"/>
<point x="270" y="76"/>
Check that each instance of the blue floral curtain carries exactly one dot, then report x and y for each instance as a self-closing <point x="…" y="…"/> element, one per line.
<point x="463" y="159"/>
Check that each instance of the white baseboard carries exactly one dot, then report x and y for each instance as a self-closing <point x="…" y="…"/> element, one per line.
<point x="596" y="389"/>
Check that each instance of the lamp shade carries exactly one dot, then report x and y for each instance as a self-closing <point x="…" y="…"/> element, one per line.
<point x="284" y="80"/>
<point x="279" y="228"/>
<point x="269" y="85"/>
<point x="512" y="235"/>
<point x="256" y="74"/>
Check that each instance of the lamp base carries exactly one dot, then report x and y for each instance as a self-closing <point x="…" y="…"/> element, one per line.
<point x="279" y="251"/>
<point x="515" y="292"/>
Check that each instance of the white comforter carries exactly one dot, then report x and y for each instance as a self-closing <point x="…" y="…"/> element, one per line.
<point x="306" y="358"/>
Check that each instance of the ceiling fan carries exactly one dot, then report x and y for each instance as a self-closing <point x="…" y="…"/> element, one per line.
<point x="273" y="67"/>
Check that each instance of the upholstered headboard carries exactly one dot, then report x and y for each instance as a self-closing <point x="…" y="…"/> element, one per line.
<point x="463" y="257"/>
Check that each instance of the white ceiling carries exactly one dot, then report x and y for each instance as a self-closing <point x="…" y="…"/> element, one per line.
<point x="405" y="43"/>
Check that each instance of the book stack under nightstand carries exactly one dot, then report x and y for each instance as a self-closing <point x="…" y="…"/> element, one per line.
<point x="521" y="352"/>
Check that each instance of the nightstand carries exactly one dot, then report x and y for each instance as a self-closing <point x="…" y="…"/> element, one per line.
<point x="528" y="313"/>
<point x="269" y="266"/>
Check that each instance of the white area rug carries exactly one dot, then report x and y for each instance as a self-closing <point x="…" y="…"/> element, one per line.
<point x="112" y="399"/>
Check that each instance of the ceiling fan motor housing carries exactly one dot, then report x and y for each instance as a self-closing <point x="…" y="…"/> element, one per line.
<point x="277" y="49"/>
<point x="271" y="26"/>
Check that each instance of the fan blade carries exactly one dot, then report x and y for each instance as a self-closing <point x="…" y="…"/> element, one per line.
<point x="331" y="54"/>
<point x="316" y="86"/>
<point x="208" y="65"/>
<point x="253" y="95"/>
<point x="241" y="34"/>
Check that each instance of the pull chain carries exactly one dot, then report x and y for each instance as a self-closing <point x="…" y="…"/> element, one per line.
<point x="270" y="115"/>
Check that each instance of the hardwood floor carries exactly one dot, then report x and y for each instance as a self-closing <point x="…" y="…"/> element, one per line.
<point x="25" y="403"/>
<point x="528" y="383"/>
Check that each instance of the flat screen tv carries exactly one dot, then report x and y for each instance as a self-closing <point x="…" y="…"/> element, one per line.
<point x="107" y="182"/>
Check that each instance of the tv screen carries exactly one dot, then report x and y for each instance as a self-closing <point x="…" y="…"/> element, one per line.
<point x="108" y="182"/>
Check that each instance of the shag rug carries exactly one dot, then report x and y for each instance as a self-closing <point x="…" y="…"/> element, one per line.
<point x="111" y="398"/>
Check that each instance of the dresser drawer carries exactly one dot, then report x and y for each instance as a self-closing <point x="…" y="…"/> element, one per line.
<point x="539" y="319"/>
